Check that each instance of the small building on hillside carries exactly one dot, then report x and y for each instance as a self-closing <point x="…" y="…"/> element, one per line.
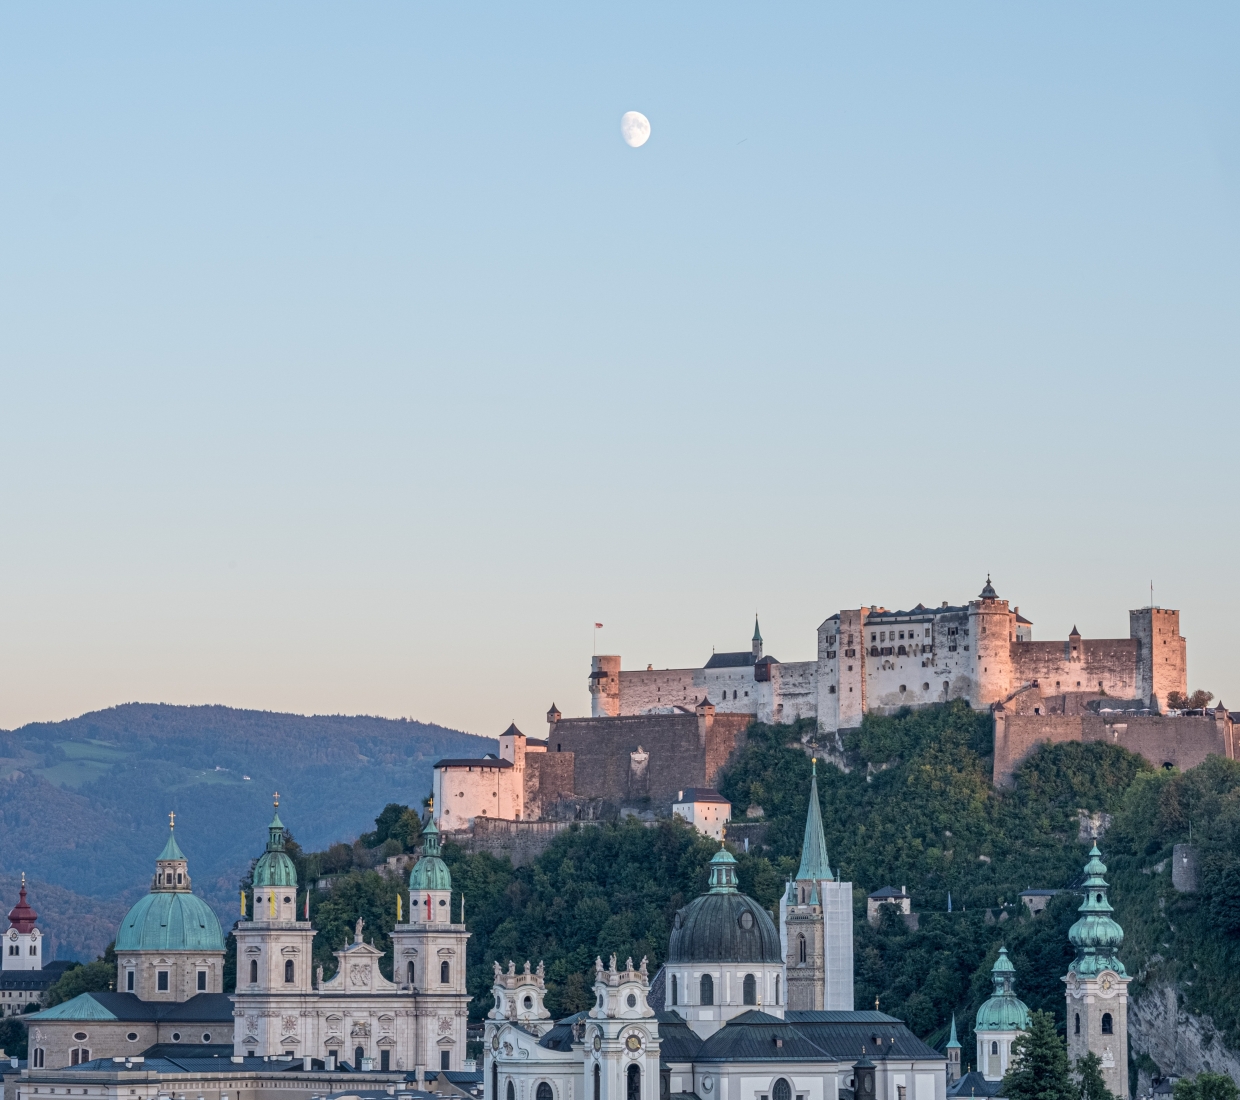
<point x="1037" y="900"/>
<point x="705" y="809"/>
<point x="888" y="895"/>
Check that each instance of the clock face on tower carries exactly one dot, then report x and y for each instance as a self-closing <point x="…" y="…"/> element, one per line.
<point x="633" y="1042"/>
<point x="598" y="1040"/>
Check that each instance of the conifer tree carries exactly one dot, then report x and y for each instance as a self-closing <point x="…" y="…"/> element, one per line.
<point x="1091" y="1086"/>
<point x="1039" y="1068"/>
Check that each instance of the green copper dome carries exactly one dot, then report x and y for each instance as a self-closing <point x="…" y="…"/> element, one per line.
<point x="1096" y="935"/>
<point x="274" y="868"/>
<point x="170" y="918"/>
<point x="1003" y="1011"/>
<point x="430" y="872"/>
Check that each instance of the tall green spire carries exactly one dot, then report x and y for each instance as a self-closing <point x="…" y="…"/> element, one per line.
<point x="953" y="1042"/>
<point x="814" y="863"/>
<point x="757" y="634"/>
<point x="1096" y="935"/>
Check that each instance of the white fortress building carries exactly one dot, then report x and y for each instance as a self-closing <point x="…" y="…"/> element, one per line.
<point x="876" y="660"/>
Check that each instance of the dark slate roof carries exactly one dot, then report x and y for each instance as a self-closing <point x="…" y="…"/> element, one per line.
<point x="708" y="929"/>
<point x="512" y="731"/>
<point x="973" y="1084"/>
<point x="701" y="794"/>
<point x="34" y="979"/>
<point x="677" y="1041"/>
<point x="889" y="892"/>
<point x="485" y="762"/>
<point x="189" y="1050"/>
<point x="205" y="1008"/>
<point x="1039" y="893"/>
<point x="814" y="1036"/>
<point x="560" y="1037"/>
<point x="730" y="660"/>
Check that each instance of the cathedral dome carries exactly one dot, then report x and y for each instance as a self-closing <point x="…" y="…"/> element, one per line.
<point x="274" y="868"/>
<point x="723" y="925"/>
<point x="1004" y="1011"/>
<point x="430" y="872"/>
<point x="170" y="921"/>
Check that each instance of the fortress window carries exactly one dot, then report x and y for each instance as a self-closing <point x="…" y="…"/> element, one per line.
<point x="1107" y="1026"/>
<point x="253" y="971"/>
<point x="873" y="637"/>
<point x="831" y="690"/>
<point x="288" y="970"/>
<point x="750" y="990"/>
<point x="925" y="687"/>
<point x="706" y="990"/>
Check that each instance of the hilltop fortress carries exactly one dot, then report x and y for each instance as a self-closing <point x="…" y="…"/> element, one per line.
<point x="871" y="660"/>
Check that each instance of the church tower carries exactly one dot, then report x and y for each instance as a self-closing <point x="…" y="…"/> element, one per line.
<point x="815" y="916"/>
<point x="23" y="942"/>
<point x="622" y="1036"/>
<point x="1098" y="983"/>
<point x="428" y="957"/>
<point x="757" y="641"/>
<point x="953" y="1055"/>
<point x="1001" y="1018"/>
<point x="273" y="957"/>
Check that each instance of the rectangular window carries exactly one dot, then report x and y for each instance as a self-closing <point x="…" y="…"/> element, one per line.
<point x="161" y="981"/>
<point x="202" y="980"/>
<point x="128" y="981"/>
<point x="445" y="1059"/>
<point x="385" y="1060"/>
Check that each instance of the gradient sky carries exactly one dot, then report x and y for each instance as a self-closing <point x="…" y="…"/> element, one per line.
<point x="351" y="363"/>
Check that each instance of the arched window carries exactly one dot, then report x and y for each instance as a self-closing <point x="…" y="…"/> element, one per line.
<point x="1107" y="1026"/>
<point x="675" y="990"/>
<point x="1076" y="1030"/>
<point x="409" y="979"/>
<point x="634" y="1090"/>
<point x="443" y="972"/>
<point x="777" y="989"/>
<point x="750" y="994"/>
<point x="288" y="970"/>
<point x="781" y="1090"/>
<point x="358" y="1055"/>
<point x="801" y="948"/>
<point x="510" y="1092"/>
<point x="543" y="1092"/>
<point x="494" y="1081"/>
<point x="707" y="990"/>
<point x="598" y="1083"/>
<point x="253" y="971"/>
<point x="38" y="1058"/>
<point x="994" y="1048"/>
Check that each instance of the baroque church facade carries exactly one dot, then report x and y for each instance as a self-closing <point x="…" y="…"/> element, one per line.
<point x="169" y="989"/>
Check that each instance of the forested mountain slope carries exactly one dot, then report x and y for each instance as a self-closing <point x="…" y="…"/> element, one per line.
<point x="84" y="803"/>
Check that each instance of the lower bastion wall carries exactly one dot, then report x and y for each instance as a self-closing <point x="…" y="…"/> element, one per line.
<point x="1164" y="740"/>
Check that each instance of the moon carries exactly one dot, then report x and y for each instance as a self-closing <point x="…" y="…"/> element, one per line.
<point x="634" y="128"/>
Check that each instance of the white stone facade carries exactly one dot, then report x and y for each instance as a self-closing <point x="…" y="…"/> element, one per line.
<point x="872" y="660"/>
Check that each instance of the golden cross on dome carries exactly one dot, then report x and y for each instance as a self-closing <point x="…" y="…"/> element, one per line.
<point x="172" y="819"/>
<point x="276" y="797"/>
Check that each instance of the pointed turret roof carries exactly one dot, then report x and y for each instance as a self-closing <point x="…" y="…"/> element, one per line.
<point x="172" y="850"/>
<point x="757" y="634"/>
<point x="1074" y="633"/>
<point x="22" y="916"/>
<point x="814" y="862"/>
<point x="953" y="1042"/>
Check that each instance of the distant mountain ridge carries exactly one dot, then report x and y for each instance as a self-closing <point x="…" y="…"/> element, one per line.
<point x="84" y="803"/>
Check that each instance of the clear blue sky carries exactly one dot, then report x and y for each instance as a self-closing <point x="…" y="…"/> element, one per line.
<point x="350" y="362"/>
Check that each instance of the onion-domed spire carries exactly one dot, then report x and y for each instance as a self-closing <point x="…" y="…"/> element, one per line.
<point x="22" y="916"/>
<point x="430" y="872"/>
<point x="274" y="867"/>
<point x="1003" y="1011"/>
<point x="1096" y="935"/>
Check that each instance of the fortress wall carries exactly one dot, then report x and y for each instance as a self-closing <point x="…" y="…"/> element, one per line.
<point x="678" y="756"/>
<point x="548" y="777"/>
<point x="667" y="687"/>
<point x="1181" y="742"/>
<point x="719" y="685"/>
<point x="795" y="686"/>
<point x="1111" y="661"/>
<point x="521" y="841"/>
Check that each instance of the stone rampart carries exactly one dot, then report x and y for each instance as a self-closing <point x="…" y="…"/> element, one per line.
<point x="1164" y="740"/>
<point x="521" y="841"/>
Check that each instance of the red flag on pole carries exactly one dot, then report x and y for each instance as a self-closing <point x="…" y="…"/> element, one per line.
<point x="598" y="626"/>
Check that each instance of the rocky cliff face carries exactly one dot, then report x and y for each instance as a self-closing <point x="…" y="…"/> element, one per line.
<point x="1182" y="1044"/>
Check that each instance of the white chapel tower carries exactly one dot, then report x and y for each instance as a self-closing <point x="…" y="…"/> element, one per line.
<point x="23" y="942"/>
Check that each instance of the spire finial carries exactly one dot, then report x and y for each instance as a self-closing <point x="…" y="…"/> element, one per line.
<point x="172" y="820"/>
<point x="875" y="1004"/>
<point x="813" y="763"/>
<point x="276" y="799"/>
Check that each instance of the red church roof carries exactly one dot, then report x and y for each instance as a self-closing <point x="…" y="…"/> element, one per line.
<point x="21" y="916"/>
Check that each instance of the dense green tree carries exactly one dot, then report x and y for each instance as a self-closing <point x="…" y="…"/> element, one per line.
<point x="1206" y="1086"/>
<point x="1090" y="1085"/>
<point x="395" y="823"/>
<point x="1039" y="1066"/>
